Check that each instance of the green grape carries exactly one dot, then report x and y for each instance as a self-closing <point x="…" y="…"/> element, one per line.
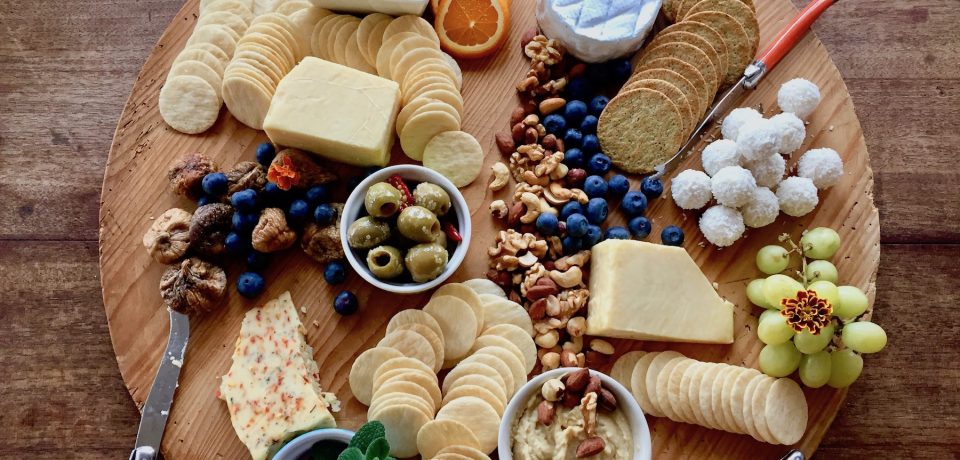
<point x="815" y="369"/>
<point x="845" y="368"/>
<point x="766" y="314"/>
<point x="809" y="344"/>
<point x="820" y="243"/>
<point x="826" y="290"/>
<point x="779" y="360"/>
<point x="821" y="270"/>
<point x="853" y="302"/>
<point x="755" y="293"/>
<point x="864" y="337"/>
<point x="772" y="259"/>
<point x="778" y="287"/>
<point x="774" y="330"/>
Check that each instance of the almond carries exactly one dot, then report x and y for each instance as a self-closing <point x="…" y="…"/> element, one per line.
<point x="538" y="292"/>
<point x="549" y="142"/>
<point x="546" y="412"/>
<point x="577" y="381"/>
<point x="595" y="359"/>
<point x="517" y="132"/>
<point x="538" y="309"/>
<point x="607" y="401"/>
<point x="593" y="385"/>
<point x="505" y="143"/>
<point x="590" y="447"/>
<point x="517" y="209"/>
<point x="527" y="36"/>
<point x="568" y="359"/>
<point x="570" y="400"/>
<point x="530" y="136"/>
<point x="551" y="105"/>
<point x="517" y="115"/>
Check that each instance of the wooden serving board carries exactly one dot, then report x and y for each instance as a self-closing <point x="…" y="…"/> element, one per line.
<point x="135" y="191"/>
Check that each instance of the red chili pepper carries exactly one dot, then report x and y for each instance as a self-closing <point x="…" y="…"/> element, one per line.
<point x="452" y="232"/>
<point x="398" y="183"/>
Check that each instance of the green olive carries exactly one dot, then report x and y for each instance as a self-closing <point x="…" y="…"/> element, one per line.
<point x="426" y="261"/>
<point x="432" y="197"/>
<point x="367" y="232"/>
<point x="385" y="262"/>
<point x="418" y="224"/>
<point x="382" y="200"/>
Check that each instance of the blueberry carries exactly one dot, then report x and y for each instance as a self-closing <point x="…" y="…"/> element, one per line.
<point x="578" y="88"/>
<point x="298" y="211"/>
<point x="335" y="272"/>
<point x="215" y="184"/>
<point x="236" y="244"/>
<point x="205" y="200"/>
<point x="590" y="144"/>
<point x="621" y="69"/>
<point x="595" y="186"/>
<point x="651" y="187"/>
<point x="589" y="125"/>
<point x="598" y="164"/>
<point x="324" y="214"/>
<point x="618" y="185"/>
<point x="597" y="210"/>
<point x="257" y="261"/>
<point x="569" y="209"/>
<point x="266" y="153"/>
<point x="597" y="105"/>
<point x="634" y="203"/>
<point x="244" y="200"/>
<point x="573" y="158"/>
<point x="555" y="123"/>
<point x="572" y="138"/>
<point x="547" y="224"/>
<point x="597" y="74"/>
<point x="274" y="196"/>
<point x="345" y="303"/>
<point x="574" y="112"/>
<point x="640" y="227"/>
<point x="317" y="194"/>
<point x="577" y="225"/>
<point x="617" y="233"/>
<point x="244" y="222"/>
<point x="672" y="236"/>
<point x="250" y="284"/>
<point x="593" y="236"/>
<point x="571" y="245"/>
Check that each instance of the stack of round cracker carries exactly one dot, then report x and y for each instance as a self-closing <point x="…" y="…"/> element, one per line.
<point x="676" y="79"/>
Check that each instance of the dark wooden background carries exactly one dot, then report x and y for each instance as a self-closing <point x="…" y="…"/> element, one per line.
<point x="67" y="66"/>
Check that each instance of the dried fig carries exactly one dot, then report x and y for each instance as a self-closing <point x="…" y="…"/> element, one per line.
<point x="168" y="238"/>
<point x="244" y="175"/>
<point x="193" y="287"/>
<point x="272" y="232"/>
<point x="323" y="243"/>
<point x="186" y="175"/>
<point x="209" y="228"/>
<point x="296" y="169"/>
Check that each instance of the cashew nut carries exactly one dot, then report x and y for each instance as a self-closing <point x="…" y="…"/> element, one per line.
<point x="575" y="344"/>
<point x="531" y="178"/>
<point x="576" y="260"/>
<point x="560" y="172"/>
<point x="548" y="339"/>
<point x="577" y="326"/>
<point x="501" y="176"/>
<point x="532" y="203"/>
<point x="546" y="208"/>
<point x="567" y="279"/>
<point x="550" y="361"/>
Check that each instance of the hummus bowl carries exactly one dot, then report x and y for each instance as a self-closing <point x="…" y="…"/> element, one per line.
<point x="518" y="406"/>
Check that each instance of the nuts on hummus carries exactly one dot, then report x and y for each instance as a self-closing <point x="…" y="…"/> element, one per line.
<point x="572" y="417"/>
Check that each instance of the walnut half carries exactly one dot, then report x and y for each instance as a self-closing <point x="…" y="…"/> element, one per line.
<point x="168" y="238"/>
<point x="193" y="287"/>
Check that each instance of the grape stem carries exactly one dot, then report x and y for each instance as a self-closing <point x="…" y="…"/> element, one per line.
<point x="785" y="238"/>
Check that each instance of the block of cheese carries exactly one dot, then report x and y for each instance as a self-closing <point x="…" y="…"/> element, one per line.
<point x="648" y="291"/>
<point x="598" y="30"/>
<point x="336" y="112"/>
<point x="391" y="7"/>
<point x="272" y="389"/>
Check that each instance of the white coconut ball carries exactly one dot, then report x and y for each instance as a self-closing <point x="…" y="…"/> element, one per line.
<point x="738" y="117"/>
<point x="759" y="139"/>
<point x="718" y="155"/>
<point x="733" y="186"/>
<point x="792" y="131"/>
<point x="768" y="171"/>
<point x="721" y="225"/>
<point x="691" y="189"/>
<point x="762" y="209"/>
<point x="797" y="196"/>
<point x="798" y="96"/>
<point x="823" y="166"/>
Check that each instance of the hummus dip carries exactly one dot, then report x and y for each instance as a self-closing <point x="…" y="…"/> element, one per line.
<point x="559" y="441"/>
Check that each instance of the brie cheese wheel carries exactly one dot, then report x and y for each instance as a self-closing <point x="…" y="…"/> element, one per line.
<point x="598" y="30"/>
<point x="391" y="7"/>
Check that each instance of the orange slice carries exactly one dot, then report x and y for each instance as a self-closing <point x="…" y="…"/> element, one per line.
<point x="472" y="29"/>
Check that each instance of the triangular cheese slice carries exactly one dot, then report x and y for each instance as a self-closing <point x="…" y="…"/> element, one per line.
<point x="648" y="291"/>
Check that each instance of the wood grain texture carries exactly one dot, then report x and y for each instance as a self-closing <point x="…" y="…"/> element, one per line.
<point x="68" y="67"/>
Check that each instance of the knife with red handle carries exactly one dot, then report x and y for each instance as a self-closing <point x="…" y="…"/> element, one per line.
<point x="768" y="58"/>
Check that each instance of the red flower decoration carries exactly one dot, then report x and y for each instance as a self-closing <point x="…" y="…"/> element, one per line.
<point x="807" y="311"/>
<point x="285" y="175"/>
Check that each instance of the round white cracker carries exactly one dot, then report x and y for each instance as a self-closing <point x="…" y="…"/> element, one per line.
<point x="657" y="400"/>
<point x="497" y="364"/>
<point x="757" y="408"/>
<point x="198" y="69"/>
<point x="485" y="394"/>
<point x="457" y="321"/>
<point x="361" y="373"/>
<point x="669" y="382"/>
<point x="425" y="388"/>
<point x="189" y="104"/>
<point x="622" y="369"/>
<point x="368" y="27"/>
<point x="502" y="311"/>
<point x="414" y="316"/>
<point x="410" y="23"/>
<point x="463" y="370"/>
<point x="402" y="423"/>
<point x="515" y="364"/>
<point x="518" y="337"/>
<point x="465" y="452"/>
<point x="483" y="381"/>
<point x="785" y="411"/>
<point x="420" y="129"/>
<point x="436" y="342"/>
<point x="412" y="345"/>
<point x="402" y="363"/>
<point x="218" y="35"/>
<point x="485" y="286"/>
<point x="706" y="392"/>
<point x="477" y="415"/>
<point x="399" y="398"/>
<point x="690" y="384"/>
<point x="439" y="434"/>
<point x="467" y="295"/>
<point x="638" y="384"/>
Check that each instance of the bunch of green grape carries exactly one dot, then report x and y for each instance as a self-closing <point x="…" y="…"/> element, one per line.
<point x="786" y="351"/>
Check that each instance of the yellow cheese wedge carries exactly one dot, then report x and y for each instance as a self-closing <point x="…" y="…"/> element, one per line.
<point x="272" y="389"/>
<point x="650" y="291"/>
<point x="334" y="111"/>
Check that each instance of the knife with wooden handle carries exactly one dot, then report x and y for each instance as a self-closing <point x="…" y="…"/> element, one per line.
<point x="769" y="57"/>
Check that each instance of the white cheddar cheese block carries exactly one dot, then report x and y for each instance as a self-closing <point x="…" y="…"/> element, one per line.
<point x="336" y="112"/>
<point x="598" y="30"/>
<point x="272" y="389"/>
<point x="391" y="7"/>
<point x="648" y="291"/>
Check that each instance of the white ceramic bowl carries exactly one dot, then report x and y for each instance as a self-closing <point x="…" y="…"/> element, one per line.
<point x="642" y="449"/>
<point x="353" y="209"/>
<point x="302" y="444"/>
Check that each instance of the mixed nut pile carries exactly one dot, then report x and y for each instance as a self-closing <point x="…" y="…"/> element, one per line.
<point x="578" y="388"/>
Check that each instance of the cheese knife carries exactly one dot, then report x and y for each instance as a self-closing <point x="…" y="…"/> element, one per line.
<point x="157" y="408"/>
<point x="774" y="52"/>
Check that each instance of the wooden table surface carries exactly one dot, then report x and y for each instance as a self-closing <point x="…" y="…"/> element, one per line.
<point x="67" y="66"/>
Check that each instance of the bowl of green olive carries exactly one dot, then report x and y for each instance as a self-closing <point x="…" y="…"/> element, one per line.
<point x="405" y="229"/>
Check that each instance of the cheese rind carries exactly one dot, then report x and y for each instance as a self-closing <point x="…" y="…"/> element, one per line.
<point x="391" y="7"/>
<point x="336" y="112"/>
<point x="598" y="30"/>
<point x="272" y="389"/>
<point x="648" y="291"/>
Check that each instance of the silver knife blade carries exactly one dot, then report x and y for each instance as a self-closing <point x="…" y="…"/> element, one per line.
<point x="156" y="410"/>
